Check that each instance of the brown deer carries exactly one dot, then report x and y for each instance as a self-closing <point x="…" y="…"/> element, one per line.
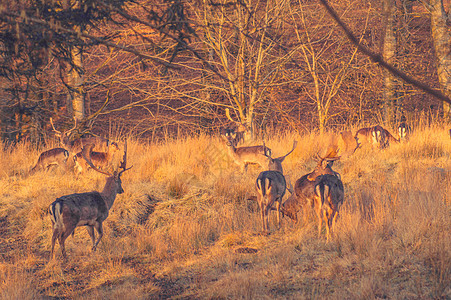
<point x="304" y="189"/>
<point x="100" y="159"/>
<point x="75" y="145"/>
<point x="390" y="139"/>
<point x="374" y="136"/>
<point x="244" y="156"/>
<point x="329" y="196"/>
<point x="53" y="157"/>
<point x="86" y="209"/>
<point x="271" y="186"/>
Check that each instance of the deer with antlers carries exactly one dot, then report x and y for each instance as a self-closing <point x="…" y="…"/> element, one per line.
<point x="271" y="186"/>
<point x="100" y="159"/>
<point x="86" y="209"/>
<point x="53" y="157"/>
<point x="75" y="145"/>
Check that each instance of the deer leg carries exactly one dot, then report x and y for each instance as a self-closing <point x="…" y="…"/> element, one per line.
<point x="91" y="233"/>
<point x="262" y="213"/>
<point x="54" y="237"/>
<point x="62" y="239"/>
<point x="99" y="229"/>
<point x="278" y="211"/>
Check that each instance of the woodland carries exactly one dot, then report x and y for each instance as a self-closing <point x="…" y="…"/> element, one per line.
<point x="162" y="68"/>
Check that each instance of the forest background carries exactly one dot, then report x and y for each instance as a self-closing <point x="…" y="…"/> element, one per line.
<point x="158" y="68"/>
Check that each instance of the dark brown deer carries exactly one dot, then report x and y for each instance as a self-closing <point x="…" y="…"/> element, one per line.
<point x="271" y="186"/>
<point x="53" y="157"/>
<point x="329" y="196"/>
<point x="86" y="209"/>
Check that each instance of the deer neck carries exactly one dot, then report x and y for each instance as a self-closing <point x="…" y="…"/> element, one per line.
<point x="109" y="191"/>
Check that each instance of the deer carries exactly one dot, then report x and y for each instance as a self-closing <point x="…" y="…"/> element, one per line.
<point x="52" y="157"/>
<point x="374" y="136"/>
<point x="271" y="186"/>
<point x="404" y="131"/>
<point x="329" y="196"/>
<point x="88" y="209"/>
<point x="101" y="159"/>
<point x="390" y="139"/>
<point x="241" y="130"/>
<point x="76" y="145"/>
<point x="243" y="156"/>
<point x="304" y="189"/>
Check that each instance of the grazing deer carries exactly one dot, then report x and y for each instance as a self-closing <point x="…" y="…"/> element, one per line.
<point x="52" y="157"/>
<point x="86" y="209"/>
<point x="390" y="139"/>
<point x="304" y="189"/>
<point x="271" y="186"/>
<point x="76" y="145"/>
<point x="329" y="195"/>
<point x="371" y="136"/>
<point x="100" y="159"/>
<point x="243" y="156"/>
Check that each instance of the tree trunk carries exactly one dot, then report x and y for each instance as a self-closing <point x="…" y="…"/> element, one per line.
<point x="389" y="55"/>
<point x="442" y="45"/>
<point x="77" y="80"/>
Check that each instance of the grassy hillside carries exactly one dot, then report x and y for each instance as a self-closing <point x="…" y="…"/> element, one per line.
<point x="185" y="229"/>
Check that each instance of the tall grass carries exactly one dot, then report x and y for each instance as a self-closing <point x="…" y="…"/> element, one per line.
<point x="184" y="226"/>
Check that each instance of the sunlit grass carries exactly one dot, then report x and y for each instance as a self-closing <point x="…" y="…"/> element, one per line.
<point x="185" y="227"/>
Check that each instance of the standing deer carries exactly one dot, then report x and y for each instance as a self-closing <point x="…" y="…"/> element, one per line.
<point x="86" y="209"/>
<point x="271" y="186"/>
<point x="404" y="131"/>
<point x="244" y="156"/>
<point x="329" y="196"/>
<point x="76" y="145"/>
<point x="52" y="157"/>
<point x="100" y="159"/>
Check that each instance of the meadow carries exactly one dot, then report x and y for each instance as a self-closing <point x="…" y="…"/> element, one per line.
<point x="184" y="228"/>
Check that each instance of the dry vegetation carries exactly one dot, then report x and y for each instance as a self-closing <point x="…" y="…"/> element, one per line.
<point x="185" y="229"/>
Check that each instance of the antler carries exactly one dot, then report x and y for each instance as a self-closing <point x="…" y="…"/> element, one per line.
<point x="65" y="132"/>
<point x="295" y="143"/>
<point x="86" y="153"/>
<point x="123" y="164"/>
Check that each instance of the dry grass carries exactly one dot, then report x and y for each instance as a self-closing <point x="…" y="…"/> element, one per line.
<point x="185" y="229"/>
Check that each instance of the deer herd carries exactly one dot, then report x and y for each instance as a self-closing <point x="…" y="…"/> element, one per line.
<point x="321" y="190"/>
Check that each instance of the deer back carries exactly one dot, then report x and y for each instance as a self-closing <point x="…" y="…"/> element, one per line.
<point x="335" y="193"/>
<point x="272" y="181"/>
<point x="79" y="209"/>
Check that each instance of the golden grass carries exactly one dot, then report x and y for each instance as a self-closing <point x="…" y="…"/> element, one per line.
<point x="185" y="229"/>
